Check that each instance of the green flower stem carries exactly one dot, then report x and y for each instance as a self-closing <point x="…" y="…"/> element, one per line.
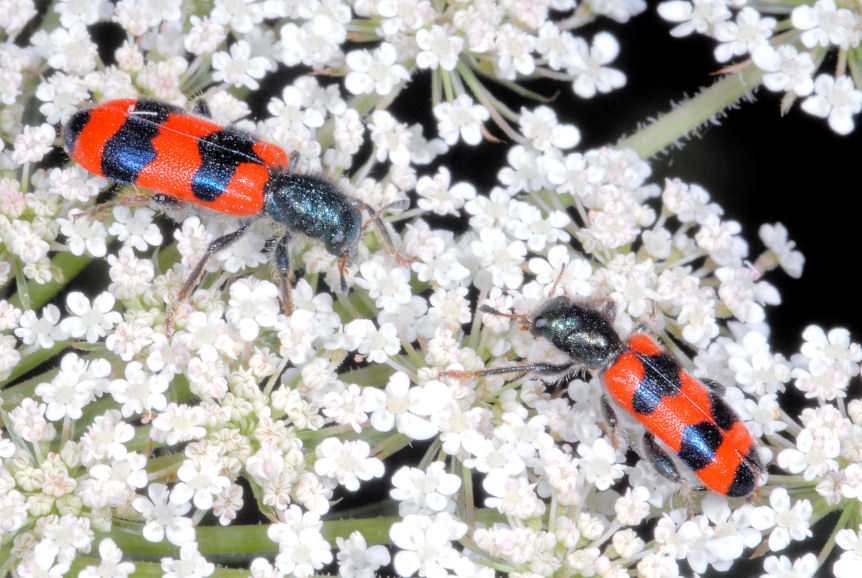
<point x="243" y="542"/>
<point x="29" y="362"/>
<point x="377" y="374"/>
<point x="374" y="530"/>
<point x="687" y="116"/>
<point x="847" y="514"/>
<point x="484" y="97"/>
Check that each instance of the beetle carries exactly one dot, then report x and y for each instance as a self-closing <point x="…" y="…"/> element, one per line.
<point x="187" y="158"/>
<point x="689" y="416"/>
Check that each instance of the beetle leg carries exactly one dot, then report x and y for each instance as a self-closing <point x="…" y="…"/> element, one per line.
<point x="131" y="200"/>
<point x="198" y="272"/>
<point x="664" y="465"/>
<point x="610" y="421"/>
<point x="539" y="368"/>
<point x="202" y="107"/>
<point x="285" y="273"/>
<point x="715" y="386"/>
<point x="383" y="231"/>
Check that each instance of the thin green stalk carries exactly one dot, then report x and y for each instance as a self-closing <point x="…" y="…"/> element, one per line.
<point x="686" y="117"/>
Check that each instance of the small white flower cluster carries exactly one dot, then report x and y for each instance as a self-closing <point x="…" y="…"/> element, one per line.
<point x="789" y="51"/>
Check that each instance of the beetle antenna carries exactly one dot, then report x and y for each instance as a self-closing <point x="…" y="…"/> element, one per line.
<point x="524" y="319"/>
<point x="342" y="266"/>
<point x="383" y="231"/>
<point x="557" y="282"/>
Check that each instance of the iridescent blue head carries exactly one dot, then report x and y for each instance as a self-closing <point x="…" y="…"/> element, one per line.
<point x="584" y="334"/>
<point x="315" y="207"/>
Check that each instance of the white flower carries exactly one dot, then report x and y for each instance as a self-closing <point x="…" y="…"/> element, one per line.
<point x="391" y="138"/>
<point x="64" y="537"/>
<point x="620" y="11"/>
<point x="514" y="51"/>
<point x="191" y="563"/>
<point x="545" y="133"/>
<point x="293" y="110"/>
<point x="346" y="407"/>
<point x="70" y="49"/>
<point x="346" y="463"/>
<point x="756" y="369"/>
<point x="695" y="16"/>
<point x="438" y="47"/>
<point x="43" y="331"/>
<point x="408" y="408"/>
<point x="377" y="344"/>
<point x="388" y="286"/>
<point x="301" y="547"/>
<point x="728" y="534"/>
<point x="32" y="143"/>
<point x="775" y="239"/>
<point x="130" y="276"/>
<point x="633" y="506"/>
<point x="513" y="496"/>
<point x="137" y="229"/>
<point x="788" y="522"/>
<point x="824" y="24"/>
<point x="836" y="99"/>
<point x="76" y="384"/>
<point x="239" y="68"/>
<point x="587" y="65"/>
<point x="13" y="504"/>
<point x="814" y="457"/>
<point x="803" y="567"/>
<point x="554" y="44"/>
<point x="499" y="258"/>
<point x="115" y="483"/>
<point x="315" y="43"/>
<point x="375" y="71"/>
<point x="834" y="348"/>
<point x="528" y="224"/>
<point x="205" y="35"/>
<point x="850" y="563"/>
<point x="105" y="439"/>
<point x="599" y="463"/>
<point x="425" y="544"/>
<point x="90" y="321"/>
<point x="460" y="118"/>
<point x="742" y="293"/>
<point x="29" y="421"/>
<point x="787" y="70"/>
<point x="140" y="391"/>
<point x="178" y="423"/>
<point x="822" y="380"/>
<point x="296" y="336"/>
<point x="84" y="234"/>
<point x="498" y="460"/>
<point x="111" y="562"/>
<point x="253" y="305"/>
<point x="436" y="194"/>
<point x="742" y="36"/>
<point x="356" y="558"/>
<point x="428" y="491"/>
<point x="200" y="481"/>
